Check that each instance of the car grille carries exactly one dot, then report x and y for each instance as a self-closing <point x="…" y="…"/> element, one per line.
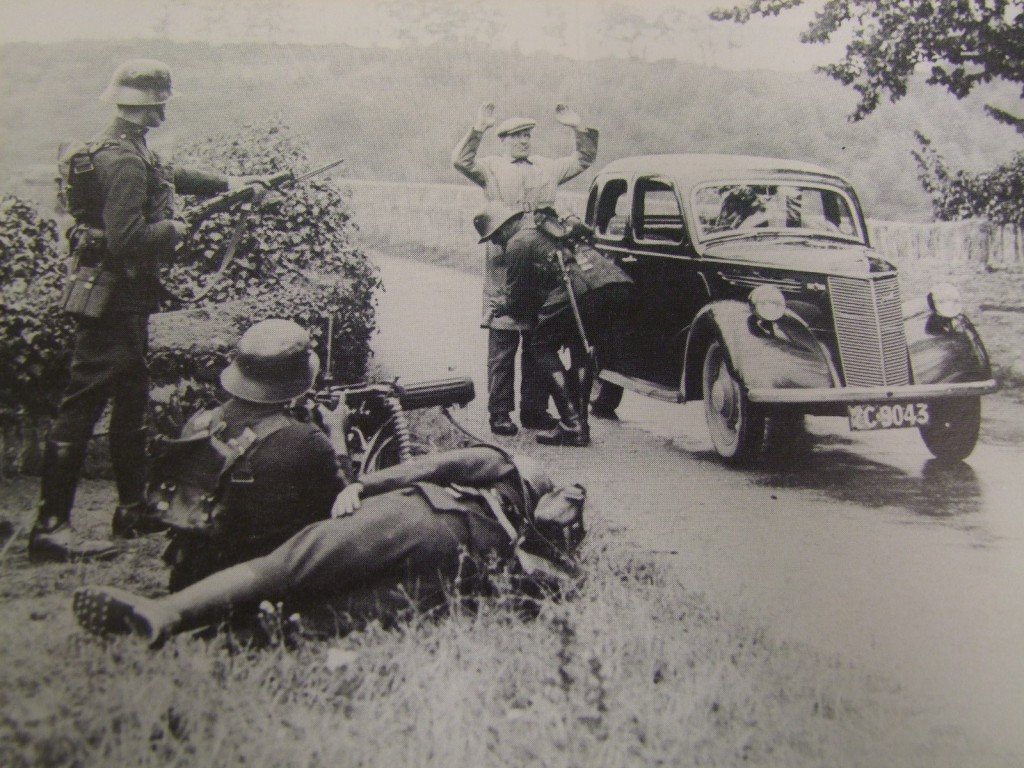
<point x="868" y="317"/>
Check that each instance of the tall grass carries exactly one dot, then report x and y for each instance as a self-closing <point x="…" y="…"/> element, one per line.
<point x="633" y="670"/>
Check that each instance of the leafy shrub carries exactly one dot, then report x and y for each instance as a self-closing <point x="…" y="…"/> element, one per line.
<point x="997" y="195"/>
<point x="35" y="337"/>
<point x="294" y="261"/>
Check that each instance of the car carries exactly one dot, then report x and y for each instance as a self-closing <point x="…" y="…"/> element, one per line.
<point x="758" y="293"/>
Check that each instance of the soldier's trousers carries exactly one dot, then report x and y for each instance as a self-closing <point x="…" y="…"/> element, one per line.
<point x="108" y="365"/>
<point x="395" y="553"/>
<point x="602" y="310"/>
<point x="501" y="374"/>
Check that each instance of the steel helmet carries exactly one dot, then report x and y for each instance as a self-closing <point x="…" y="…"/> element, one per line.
<point x="139" y="83"/>
<point x="274" y="363"/>
<point x="494" y="218"/>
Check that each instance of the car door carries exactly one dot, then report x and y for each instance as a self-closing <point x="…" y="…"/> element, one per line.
<point x="670" y="287"/>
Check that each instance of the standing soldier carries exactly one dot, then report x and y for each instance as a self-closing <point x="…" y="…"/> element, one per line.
<point x="524" y="182"/>
<point x="124" y="207"/>
<point x="570" y="293"/>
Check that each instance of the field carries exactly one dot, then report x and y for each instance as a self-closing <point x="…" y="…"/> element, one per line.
<point x="633" y="670"/>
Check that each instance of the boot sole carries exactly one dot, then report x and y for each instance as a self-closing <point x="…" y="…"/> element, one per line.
<point x="107" y="611"/>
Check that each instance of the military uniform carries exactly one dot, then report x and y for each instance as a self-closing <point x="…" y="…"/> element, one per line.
<point x="129" y="204"/>
<point x="422" y="524"/>
<point x="135" y="203"/>
<point x="526" y="184"/>
<point x="423" y="527"/>
<point x="536" y="289"/>
<point x="291" y="479"/>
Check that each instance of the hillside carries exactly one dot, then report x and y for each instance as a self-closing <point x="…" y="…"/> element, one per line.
<point x="395" y="114"/>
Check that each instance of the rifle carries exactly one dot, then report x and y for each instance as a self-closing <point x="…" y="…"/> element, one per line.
<point x="575" y="308"/>
<point x="250" y="193"/>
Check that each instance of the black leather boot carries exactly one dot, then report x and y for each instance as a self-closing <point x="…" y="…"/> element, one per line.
<point x="128" y="457"/>
<point x="51" y="538"/>
<point x="109" y="610"/>
<point x="569" y="430"/>
<point x="134" y="520"/>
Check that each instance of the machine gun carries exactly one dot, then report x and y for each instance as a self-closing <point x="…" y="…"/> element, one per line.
<point x="377" y="432"/>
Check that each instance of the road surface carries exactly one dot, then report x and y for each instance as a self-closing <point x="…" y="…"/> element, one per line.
<point x="866" y="548"/>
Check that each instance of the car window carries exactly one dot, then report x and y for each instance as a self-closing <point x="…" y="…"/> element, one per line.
<point x="613" y="210"/>
<point x="797" y="209"/>
<point x="657" y="215"/>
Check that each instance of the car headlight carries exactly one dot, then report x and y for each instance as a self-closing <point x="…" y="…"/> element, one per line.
<point x="944" y="300"/>
<point x="768" y="303"/>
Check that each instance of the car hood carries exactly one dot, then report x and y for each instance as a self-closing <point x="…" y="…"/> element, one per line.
<point x="800" y="254"/>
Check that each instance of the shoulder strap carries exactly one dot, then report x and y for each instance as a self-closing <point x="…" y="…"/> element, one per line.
<point x="251" y="436"/>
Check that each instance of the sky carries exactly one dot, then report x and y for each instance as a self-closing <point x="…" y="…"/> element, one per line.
<point x="529" y="25"/>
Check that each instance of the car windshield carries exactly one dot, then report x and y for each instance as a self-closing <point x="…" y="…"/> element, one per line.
<point x="791" y="209"/>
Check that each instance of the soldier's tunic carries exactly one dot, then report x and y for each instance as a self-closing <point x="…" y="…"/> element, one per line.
<point x="529" y="184"/>
<point x="134" y="202"/>
<point x="293" y="477"/>
<point x="536" y="290"/>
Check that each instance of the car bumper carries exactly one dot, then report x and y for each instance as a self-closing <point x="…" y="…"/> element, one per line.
<point x="873" y="394"/>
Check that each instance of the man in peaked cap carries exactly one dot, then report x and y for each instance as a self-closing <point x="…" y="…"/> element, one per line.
<point x="523" y="181"/>
<point x="124" y="211"/>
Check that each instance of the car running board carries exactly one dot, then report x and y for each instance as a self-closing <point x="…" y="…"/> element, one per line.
<point x="640" y="386"/>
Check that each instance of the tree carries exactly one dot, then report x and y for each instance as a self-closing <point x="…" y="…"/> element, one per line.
<point x="966" y="42"/>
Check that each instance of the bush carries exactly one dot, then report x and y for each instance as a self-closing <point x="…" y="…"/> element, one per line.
<point x="35" y="337"/>
<point x="294" y="261"/>
<point x="995" y="195"/>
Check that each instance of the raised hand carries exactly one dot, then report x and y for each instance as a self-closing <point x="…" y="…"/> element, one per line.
<point x="485" y="116"/>
<point x="567" y="116"/>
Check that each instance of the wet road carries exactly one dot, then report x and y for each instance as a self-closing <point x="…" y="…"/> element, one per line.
<point x="869" y="548"/>
<point x="865" y="548"/>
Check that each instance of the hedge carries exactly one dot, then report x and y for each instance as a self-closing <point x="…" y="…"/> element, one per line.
<point x="294" y="261"/>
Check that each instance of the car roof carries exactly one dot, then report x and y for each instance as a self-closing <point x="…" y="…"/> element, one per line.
<point x="693" y="168"/>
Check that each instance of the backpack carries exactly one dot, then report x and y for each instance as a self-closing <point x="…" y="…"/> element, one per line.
<point x="190" y="478"/>
<point x="76" y="179"/>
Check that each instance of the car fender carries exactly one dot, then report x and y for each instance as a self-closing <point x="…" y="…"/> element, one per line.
<point x="782" y="355"/>
<point x="943" y="350"/>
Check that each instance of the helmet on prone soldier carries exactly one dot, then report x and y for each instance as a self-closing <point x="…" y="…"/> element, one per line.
<point x="274" y="363"/>
<point x="139" y="83"/>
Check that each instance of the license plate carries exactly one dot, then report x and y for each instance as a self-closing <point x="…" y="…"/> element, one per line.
<point x="888" y="416"/>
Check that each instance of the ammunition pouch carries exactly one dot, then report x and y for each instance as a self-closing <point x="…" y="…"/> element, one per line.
<point x="90" y="282"/>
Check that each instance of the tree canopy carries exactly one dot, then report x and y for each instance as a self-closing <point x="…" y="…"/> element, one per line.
<point x="965" y="42"/>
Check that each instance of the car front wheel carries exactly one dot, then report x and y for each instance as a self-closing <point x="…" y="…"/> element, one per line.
<point x="736" y="427"/>
<point x="952" y="432"/>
